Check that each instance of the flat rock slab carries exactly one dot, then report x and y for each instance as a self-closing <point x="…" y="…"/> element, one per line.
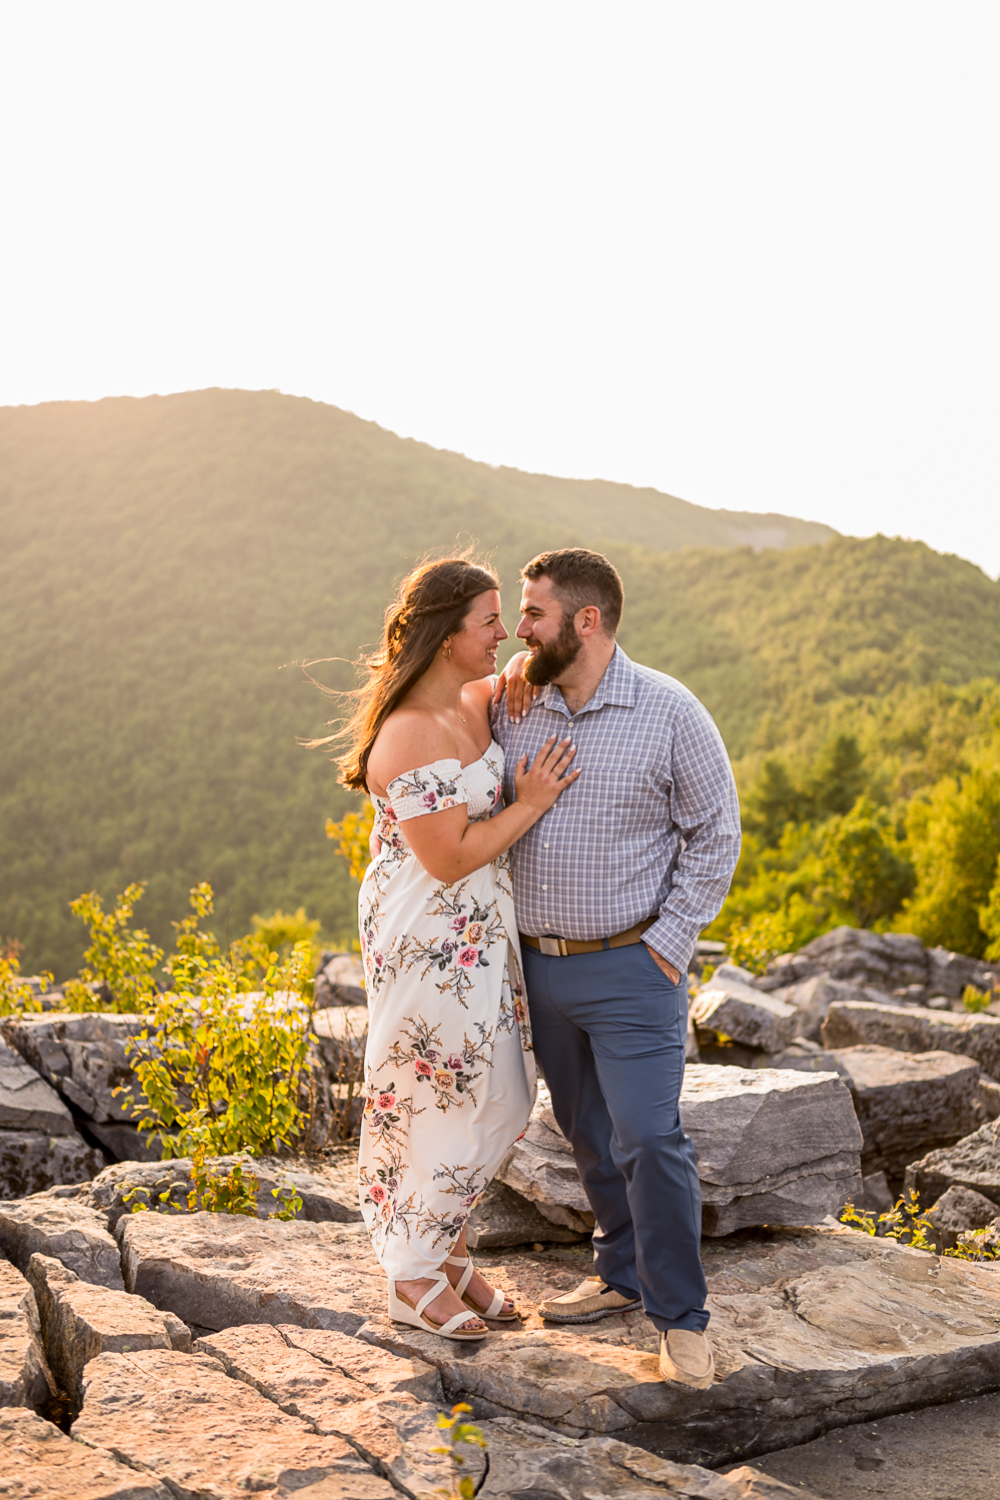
<point x="908" y="1103"/>
<point x="181" y="1419"/>
<point x="732" y="1009"/>
<point x="540" y="1168"/>
<point x="221" y="1270"/>
<point x="973" y="1162"/>
<point x="67" y="1230"/>
<point x="31" y="1162"/>
<point x="38" y="1462"/>
<point x="346" y="1388"/>
<point x="911" y="1028"/>
<point x="935" y="1454"/>
<point x="26" y="1100"/>
<point x="503" y="1218"/>
<point x="812" y="1329"/>
<point x="24" y="1373"/>
<point x="80" y="1321"/>
<point x="811" y="1000"/>
<point x="166" y="1184"/>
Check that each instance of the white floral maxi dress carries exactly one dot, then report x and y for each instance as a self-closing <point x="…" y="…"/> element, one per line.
<point x="449" y="1068"/>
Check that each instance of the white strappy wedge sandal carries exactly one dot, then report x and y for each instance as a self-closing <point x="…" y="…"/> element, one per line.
<point x="496" y="1306"/>
<point x="402" y="1310"/>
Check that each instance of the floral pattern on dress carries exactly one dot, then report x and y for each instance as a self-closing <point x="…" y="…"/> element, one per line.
<point x="449" y="1068"/>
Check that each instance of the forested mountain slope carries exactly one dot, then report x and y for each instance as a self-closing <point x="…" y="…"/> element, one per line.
<point x="166" y="562"/>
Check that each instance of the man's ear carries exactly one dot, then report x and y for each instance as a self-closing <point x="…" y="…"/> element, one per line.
<point x="588" y="620"/>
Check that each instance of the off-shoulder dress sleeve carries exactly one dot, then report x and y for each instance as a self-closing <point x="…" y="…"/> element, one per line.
<point x="428" y="789"/>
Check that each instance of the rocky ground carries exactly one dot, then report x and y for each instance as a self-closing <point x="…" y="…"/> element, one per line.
<point x="176" y="1354"/>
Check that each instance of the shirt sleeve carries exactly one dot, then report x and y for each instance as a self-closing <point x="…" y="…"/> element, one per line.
<point x="705" y="807"/>
<point x="428" y="789"/>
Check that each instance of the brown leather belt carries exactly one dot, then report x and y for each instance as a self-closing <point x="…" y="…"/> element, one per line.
<point x="557" y="947"/>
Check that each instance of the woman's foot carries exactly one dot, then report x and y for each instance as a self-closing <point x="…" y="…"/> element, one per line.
<point x="443" y="1307"/>
<point x="478" y="1289"/>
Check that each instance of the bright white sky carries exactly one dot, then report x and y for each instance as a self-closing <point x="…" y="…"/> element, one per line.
<point x="744" y="252"/>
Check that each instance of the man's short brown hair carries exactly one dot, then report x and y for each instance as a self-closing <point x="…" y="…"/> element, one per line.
<point x="579" y="578"/>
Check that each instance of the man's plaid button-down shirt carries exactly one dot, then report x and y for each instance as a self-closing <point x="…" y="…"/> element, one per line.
<point x="650" y="828"/>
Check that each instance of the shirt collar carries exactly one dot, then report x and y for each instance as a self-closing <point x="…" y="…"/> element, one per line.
<point x="616" y="688"/>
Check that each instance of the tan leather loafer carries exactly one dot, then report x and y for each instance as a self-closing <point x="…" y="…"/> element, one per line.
<point x="686" y="1359"/>
<point x="587" y="1303"/>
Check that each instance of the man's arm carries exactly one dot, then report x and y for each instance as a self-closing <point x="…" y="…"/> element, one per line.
<point x="705" y="806"/>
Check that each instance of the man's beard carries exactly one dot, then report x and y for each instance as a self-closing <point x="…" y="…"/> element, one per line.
<point x="548" y="663"/>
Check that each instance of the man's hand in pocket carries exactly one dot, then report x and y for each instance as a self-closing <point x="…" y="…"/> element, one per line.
<point x="668" y="969"/>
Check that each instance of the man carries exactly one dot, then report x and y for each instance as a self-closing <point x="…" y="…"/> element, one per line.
<point x="611" y="888"/>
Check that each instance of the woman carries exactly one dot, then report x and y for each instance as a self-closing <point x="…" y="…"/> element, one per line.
<point x="450" y="1078"/>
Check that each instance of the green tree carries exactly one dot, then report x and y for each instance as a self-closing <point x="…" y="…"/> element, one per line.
<point x="863" y="871"/>
<point x="953" y="836"/>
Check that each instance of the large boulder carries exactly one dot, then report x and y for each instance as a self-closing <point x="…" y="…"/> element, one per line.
<point x="341" y="1032"/>
<point x="540" y="1168"/>
<point x="179" y="1418"/>
<point x="65" y="1229"/>
<point x="914" y="1029"/>
<point x="774" y="1147"/>
<point x="971" y="1163"/>
<point x="958" y="1211"/>
<point x="24" y="1374"/>
<point x="732" y="1009"/>
<point x="812" y="998"/>
<point x="908" y="1103"/>
<point x="894" y="963"/>
<point x="164" y="1186"/>
<point x="82" y="1056"/>
<point x="80" y="1321"/>
<point x="503" y="1217"/>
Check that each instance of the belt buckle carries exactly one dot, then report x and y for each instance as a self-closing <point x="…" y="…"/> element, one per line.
<point x="553" y="947"/>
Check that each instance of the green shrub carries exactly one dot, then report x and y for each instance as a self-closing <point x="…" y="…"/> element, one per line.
<point x="16" y="994"/>
<point x="905" y="1222"/>
<point x="120" y="960"/>
<point x="462" y="1485"/>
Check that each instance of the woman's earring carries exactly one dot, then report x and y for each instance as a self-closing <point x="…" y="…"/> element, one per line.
<point x="446" y="650"/>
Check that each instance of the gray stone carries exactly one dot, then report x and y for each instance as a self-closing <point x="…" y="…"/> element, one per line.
<point x="340" y="980"/>
<point x="341" y="1033"/>
<point x="83" y="1056"/>
<point x="180" y="1418"/>
<point x="26" y="1100"/>
<point x="502" y="1217"/>
<point x="957" y="1211"/>
<point x="908" y="1103"/>
<point x="914" y="1029"/>
<point x="38" y="1462"/>
<point x="67" y="1230"/>
<point x="804" y="1056"/>
<point x="812" y="998"/>
<point x="732" y="1009"/>
<point x="80" y="1321"/>
<point x="812" y="1329"/>
<point x="971" y="1163"/>
<point x="540" y="1168"/>
<point x="24" y="1375"/>
<point x="988" y="1097"/>
<point x="325" y="1199"/>
<point x="29" y="1163"/>
<point x="127" y="1142"/>
<point x="895" y="963"/>
<point x="219" y="1270"/>
<point x="774" y="1147"/>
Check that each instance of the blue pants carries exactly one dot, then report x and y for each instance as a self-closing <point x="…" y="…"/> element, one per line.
<point x="609" y="1031"/>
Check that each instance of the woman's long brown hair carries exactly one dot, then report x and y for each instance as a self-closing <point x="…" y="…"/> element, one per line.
<point x="430" y="604"/>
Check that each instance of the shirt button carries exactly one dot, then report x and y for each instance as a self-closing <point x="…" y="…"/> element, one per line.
<point x="545" y="846"/>
<point x="544" y="887"/>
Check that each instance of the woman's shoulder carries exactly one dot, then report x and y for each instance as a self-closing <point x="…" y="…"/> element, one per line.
<point x="409" y="738"/>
